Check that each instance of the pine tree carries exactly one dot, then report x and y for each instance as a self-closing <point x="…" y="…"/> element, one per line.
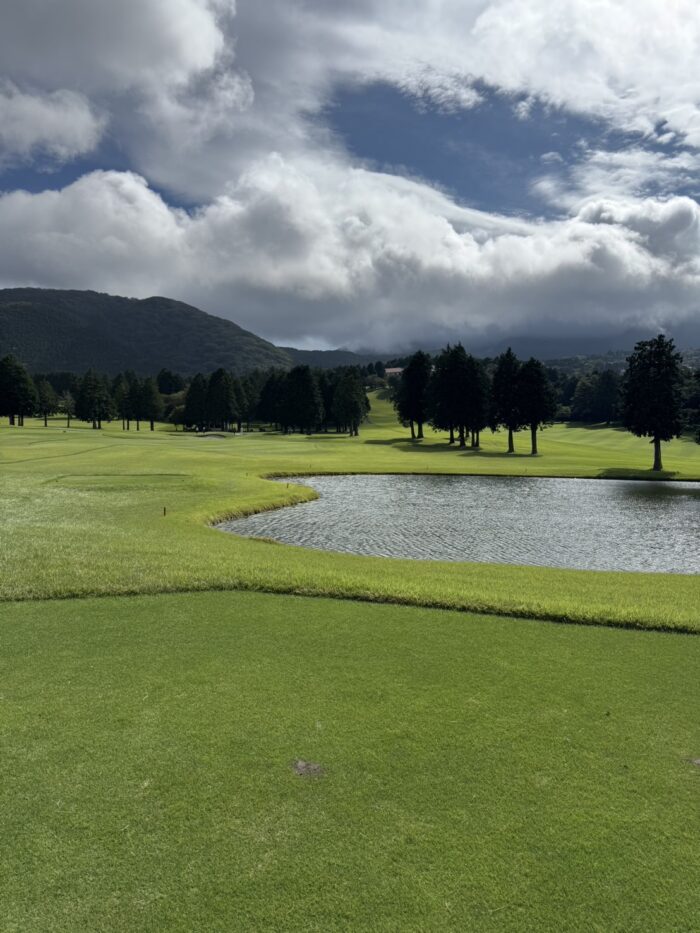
<point x="350" y="403"/>
<point x="195" y="413"/>
<point x="440" y="402"/>
<point x="134" y="398"/>
<point x="220" y="400"/>
<point x="94" y="402"/>
<point x="66" y="405"/>
<point x="271" y="396"/>
<point x="17" y="391"/>
<point x="411" y="400"/>
<point x="122" y="401"/>
<point x="477" y="400"/>
<point x="47" y="401"/>
<point x="302" y="406"/>
<point x="506" y="396"/>
<point x="151" y="402"/>
<point x="537" y="402"/>
<point x="651" y="398"/>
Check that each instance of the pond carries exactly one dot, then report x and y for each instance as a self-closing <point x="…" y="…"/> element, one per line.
<point x="575" y="523"/>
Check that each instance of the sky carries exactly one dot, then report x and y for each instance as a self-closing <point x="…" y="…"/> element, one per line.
<point x="371" y="174"/>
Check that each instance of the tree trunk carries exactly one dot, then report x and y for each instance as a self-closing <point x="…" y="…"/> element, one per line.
<point x="128" y="424"/>
<point x="533" y="436"/>
<point x="452" y="434"/>
<point x="152" y="425"/>
<point x="657" y="454"/>
<point x="12" y="420"/>
<point x="420" y="429"/>
<point x="413" y="432"/>
<point x="476" y="440"/>
<point x="67" y="421"/>
<point x="138" y="424"/>
<point x="462" y="439"/>
<point x="511" y="446"/>
<point x="46" y="419"/>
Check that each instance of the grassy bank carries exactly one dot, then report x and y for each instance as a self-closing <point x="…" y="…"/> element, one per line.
<point x="478" y="773"/>
<point x="81" y="514"/>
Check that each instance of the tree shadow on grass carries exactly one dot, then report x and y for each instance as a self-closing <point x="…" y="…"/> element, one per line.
<point x="620" y="473"/>
<point x="598" y="426"/>
<point x="407" y="445"/>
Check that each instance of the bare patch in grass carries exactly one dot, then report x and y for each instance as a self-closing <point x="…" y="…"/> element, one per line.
<point x="307" y="768"/>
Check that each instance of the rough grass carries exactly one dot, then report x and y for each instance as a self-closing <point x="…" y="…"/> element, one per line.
<point x="81" y="514"/>
<point x="479" y="774"/>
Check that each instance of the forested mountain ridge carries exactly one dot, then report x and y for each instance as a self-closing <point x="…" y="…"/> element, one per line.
<point x="51" y="329"/>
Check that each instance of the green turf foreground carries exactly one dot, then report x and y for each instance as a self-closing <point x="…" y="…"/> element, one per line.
<point x="480" y="773"/>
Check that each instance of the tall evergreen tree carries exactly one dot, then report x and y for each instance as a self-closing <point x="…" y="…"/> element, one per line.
<point x="66" y="406"/>
<point x="121" y="393"/>
<point x="477" y="398"/>
<point x="151" y="402"/>
<point x="195" y="413"/>
<point x="271" y="397"/>
<point x="302" y="406"/>
<point x="94" y="402"/>
<point x="458" y="384"/>
<point x="651" y="398"/>
<point x="596" y="397"/>
<point x="350" y="403"/>
<point x="537" y="401"/>
<point x="411" y="399"/>
<point x="252" y="386"/>
<point x="220" y="400"/>
<point x="17" y="391"/>
<point x="135" y="398"/>
<point x="327" y="383"/>
<point x="169" y="382"/>
<point x="440" y="401"/>
<point x="506" y="395"/>
<point x="47" y="400"/>
<point x="240" y="401"/>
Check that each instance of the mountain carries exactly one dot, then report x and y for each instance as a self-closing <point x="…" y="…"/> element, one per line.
<point x="51" y="330"/>
<point x="328" y="359"/>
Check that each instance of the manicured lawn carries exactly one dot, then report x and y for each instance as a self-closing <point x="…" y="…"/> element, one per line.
<point x="480" y="773"/>
<point x="81" y="512"/>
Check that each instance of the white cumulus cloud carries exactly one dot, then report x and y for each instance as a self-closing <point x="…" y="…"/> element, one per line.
<point x="221" y="105"/>
<point x="60" y="123"/>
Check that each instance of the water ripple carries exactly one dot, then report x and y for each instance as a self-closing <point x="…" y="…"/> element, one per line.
<point x="583" y="524"/>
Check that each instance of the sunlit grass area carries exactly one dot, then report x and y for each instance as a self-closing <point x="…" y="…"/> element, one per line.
<point x="82" y="512"/>
<point x="477" y="773"/>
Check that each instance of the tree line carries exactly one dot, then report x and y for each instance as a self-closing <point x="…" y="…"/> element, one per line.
<point x="301" y="399"/>
<point x="655" y="397"/>
<point x="457" y="393"/>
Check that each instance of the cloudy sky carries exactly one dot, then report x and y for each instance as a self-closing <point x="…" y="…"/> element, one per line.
<point x="365" y="173"/>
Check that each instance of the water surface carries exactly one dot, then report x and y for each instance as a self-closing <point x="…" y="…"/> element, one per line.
<point x="576" y="523"/>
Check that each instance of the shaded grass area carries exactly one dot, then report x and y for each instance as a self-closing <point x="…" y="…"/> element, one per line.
<point x="478" y="773"/>
<point x="81" y="514"/>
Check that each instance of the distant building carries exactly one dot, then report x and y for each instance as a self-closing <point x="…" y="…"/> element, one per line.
<point x="393" y="371"/>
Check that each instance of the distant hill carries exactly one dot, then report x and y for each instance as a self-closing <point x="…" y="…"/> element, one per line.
<point x="613" y="359"/>
<point x="328" y="359"/>
<point x="52" y="330"/>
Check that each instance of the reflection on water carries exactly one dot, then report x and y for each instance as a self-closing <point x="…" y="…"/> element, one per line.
<point x="586" y="524"/>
